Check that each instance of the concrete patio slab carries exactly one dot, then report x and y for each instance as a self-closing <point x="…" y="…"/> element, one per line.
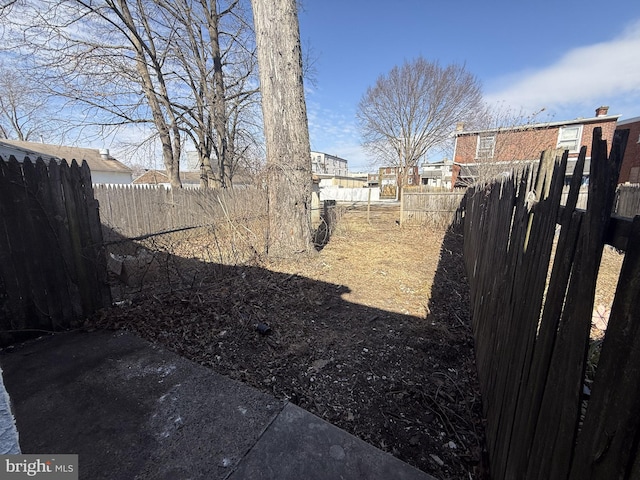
<point x="133" y="410"/>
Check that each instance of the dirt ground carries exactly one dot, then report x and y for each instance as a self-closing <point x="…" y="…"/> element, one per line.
<point x="372" y="334"/>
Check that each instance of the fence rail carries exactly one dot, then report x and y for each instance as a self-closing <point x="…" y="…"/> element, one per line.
<point x="52" y="267"/>
<point x="532" y="321"/>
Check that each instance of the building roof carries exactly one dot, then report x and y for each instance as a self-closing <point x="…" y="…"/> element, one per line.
<point x="156" y="177"/>
<point x="98" y="160"/>
<point x="151" y="177"/>
<point x="188" y="178"/>
<point x="531" y="126"/>
<point x="628" y="121"/>
<point x="327" y="155"/>
<point x="437" y="164"/>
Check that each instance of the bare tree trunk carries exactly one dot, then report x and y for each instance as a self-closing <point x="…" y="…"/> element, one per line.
<point x="219" y="97"/>
<point x="285" y="127"/>
<point x="146" y="58"/>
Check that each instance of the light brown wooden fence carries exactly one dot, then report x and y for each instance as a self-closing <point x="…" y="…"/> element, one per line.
<point x="532" y="319"/>
<point x="52" y="267"/>
<point x="134" y="210"/>
<point x="419" y="208"/>
<point x="581" y="202"/>
<point x="627" y="203"/>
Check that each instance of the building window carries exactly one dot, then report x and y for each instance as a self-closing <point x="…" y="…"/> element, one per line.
<point x="634" y="175"/>
<point x="569" y="138"/>
<point x="486" y="146"/>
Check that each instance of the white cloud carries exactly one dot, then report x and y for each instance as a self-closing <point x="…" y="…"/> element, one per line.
<point x="589" y="75"/>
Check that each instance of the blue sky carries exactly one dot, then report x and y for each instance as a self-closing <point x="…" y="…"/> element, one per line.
<point x="565" y="56"/>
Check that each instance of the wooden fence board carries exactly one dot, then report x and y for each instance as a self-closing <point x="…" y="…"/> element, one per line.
<point x="96" y="238"/>
<point x="89" y="255"/>
<point x="47" y="187"/>
<point x="533" y="382"/>
<point x="135" y="211"/>
<point x="36" y="242"/>
<point x="516" y="263"/>
<point x="526" y="299"/>
<point x="77" y="271"/>
<point x="529" y="408"/>
<point x="566" y="375"/>
<point x="13" y="273"/>
<point x="499" y="211"/>
<point x="15" y="229"/>
<point x="61" y="221"/>
<point x="609" y="436"/>
<point x="418" y="208"/>
<point x="491" y="207"/>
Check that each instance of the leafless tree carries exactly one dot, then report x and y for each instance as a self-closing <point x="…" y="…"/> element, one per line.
<point x="184" y="67"/>
<point x="286" y="129"/>
<point x="414" y="108"/>
<point x="216" y="57"/>
<point x="24" y="110"/>
<point x="108" y="60"/>
<point x="5" y="6"/>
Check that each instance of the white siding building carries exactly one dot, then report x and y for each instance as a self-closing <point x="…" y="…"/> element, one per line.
<point x="436" y="174"/>
<point x="325" y="164"/>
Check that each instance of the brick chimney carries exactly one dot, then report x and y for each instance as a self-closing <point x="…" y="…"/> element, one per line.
<point x="602" y="111"/>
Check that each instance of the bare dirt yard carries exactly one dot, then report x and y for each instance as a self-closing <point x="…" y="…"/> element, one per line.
<point x="371" y="334"/>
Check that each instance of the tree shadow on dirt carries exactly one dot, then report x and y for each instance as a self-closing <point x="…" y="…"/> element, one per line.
<point x="402" y="383"/>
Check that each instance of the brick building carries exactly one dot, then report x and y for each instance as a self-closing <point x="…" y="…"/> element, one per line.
<point x="490" y="152"/>
<point x="630" y="170"/>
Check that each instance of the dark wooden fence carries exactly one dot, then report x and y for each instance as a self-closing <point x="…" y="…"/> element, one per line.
<point x="52" y="268"/>
<point x="532" y="319"/>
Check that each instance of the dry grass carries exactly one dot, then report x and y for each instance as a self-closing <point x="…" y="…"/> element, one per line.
<point x="606" y="285"/>
<point x="382" y="265"/>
